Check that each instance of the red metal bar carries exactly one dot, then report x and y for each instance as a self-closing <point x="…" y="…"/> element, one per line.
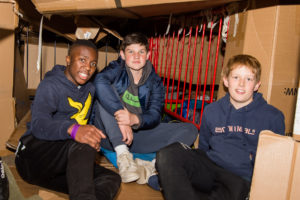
<point x="186" y="67"/>
<point x="199" y="71"/>
<point x="181" y="118"/>
<point x="169" y="69"/>
<point x="151" y="47"/>
<point x="216" y="61"/>
<point x="180" y="68"/>
<point x="192" y="73"/>
<point x="162" y="56"/>
<point x="166" y="61"/>
<point x="174" y="69"/>
<point x="206" y="70"/>
<point x="157" y="53"/>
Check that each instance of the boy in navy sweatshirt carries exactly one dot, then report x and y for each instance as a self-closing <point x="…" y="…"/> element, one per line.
<point x="222" y="166"/>
<point x="130" y="100"/>
<point x="58" y="150"/>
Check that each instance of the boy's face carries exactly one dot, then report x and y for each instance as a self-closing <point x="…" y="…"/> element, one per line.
<point x="241" y="84"/>
<point x="81" y="64"/>
<point x="135" y="56"/>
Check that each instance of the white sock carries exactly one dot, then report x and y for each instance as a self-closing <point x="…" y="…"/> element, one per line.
<point x="121" y="149"/>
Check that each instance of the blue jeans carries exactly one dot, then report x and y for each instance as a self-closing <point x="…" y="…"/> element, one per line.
<point x="186" y="173"/>
<point x="144" y="141"/>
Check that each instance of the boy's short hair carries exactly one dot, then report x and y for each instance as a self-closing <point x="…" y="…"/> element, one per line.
<point x="80" y="42"/>
<point x="135" y="38"/>
<point x="243" y="59"/>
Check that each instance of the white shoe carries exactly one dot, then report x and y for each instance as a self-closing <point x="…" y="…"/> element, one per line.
<point x="127" y="167"/>
<point x="145" y="170"/>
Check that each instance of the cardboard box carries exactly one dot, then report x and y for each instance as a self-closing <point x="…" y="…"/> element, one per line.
<point x="277" y="168"/>
<point x="7" y="40"/>
<point x="7" y="119"/>
<point x="8" y="19"/>
<point x="272" y="35"/>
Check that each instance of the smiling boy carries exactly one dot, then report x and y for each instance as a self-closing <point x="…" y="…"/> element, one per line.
<point x="130" y="100"/>
<point x="222" y="167"/>
<point x="58" y="150"/>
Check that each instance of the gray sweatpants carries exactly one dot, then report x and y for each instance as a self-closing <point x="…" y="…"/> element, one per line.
<point x="144" y="141"/>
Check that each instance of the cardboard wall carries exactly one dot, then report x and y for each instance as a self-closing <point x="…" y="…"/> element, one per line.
<point x="277" y="168"/>
<point x="7" y="119"/>
<point x="52" y="56"/>
<point x="7" y="41"/>
<point x="272" y="35"/>
<point x="8" y="19"/>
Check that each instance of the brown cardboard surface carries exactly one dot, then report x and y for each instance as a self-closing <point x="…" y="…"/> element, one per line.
<point x="276" y="171"/>
<point x="7" y="40"/>
<point x="271" y="35"/>
<point x="20" y="92"/>
<point x="50" y="57"/>
<point x="7" y="119"/>
<point x="133" y="8"/>
<point x="8" y="19"/>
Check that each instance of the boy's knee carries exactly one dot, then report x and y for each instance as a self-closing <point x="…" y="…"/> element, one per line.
<point x="167" y="154"/>
<point x="82" y="150"/>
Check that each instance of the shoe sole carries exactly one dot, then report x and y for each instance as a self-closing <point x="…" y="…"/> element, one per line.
<point x="131" y="179"/>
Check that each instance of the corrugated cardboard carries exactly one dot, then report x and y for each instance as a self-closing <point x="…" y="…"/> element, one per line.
<point x="20" y="91"/>
<point x="8" y="19"/>
<point x="277" y="168"/>
<point x="7" y="118"/>
<point x="272" y="35"/>
<point x="7" y="40"/>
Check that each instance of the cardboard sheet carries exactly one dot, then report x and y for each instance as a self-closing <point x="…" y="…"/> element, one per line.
<point x="276" y="171"/>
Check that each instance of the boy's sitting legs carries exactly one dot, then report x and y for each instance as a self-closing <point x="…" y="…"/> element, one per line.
<point x="126" y="165"/>
<point x="189" y="174"/>
<point x="65" y="166"/>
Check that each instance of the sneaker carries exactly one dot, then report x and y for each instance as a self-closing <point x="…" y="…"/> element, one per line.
<point x="153" y="182"/>
<point x="127" y="167"/>
<point x="145" y="170"/>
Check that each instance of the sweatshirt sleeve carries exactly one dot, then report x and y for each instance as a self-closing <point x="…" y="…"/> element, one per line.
<point x="278" y="125"/>
<point x="204" y="134"/>
<point x="43" y="125"/>
<point x="104" y="88"/>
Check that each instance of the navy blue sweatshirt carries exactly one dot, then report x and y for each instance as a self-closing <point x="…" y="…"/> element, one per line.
<point x="230" y="136"/>
<point x="58" y="104"/>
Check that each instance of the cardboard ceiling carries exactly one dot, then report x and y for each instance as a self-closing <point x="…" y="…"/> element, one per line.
<point x="64" y="17"/>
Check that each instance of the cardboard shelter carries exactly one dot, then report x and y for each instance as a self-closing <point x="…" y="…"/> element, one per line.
<point x="271" y="34"/>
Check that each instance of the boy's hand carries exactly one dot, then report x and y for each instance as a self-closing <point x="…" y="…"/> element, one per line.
<point x="124" y="117"/>
<point x="90" y="135"/>
<point x="127" y="134"/>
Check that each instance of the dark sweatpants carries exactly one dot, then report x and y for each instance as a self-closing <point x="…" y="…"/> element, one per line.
<point x="65" y="166"/>
<point x="186" y="173"/>
<point x="144" y="141"/>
